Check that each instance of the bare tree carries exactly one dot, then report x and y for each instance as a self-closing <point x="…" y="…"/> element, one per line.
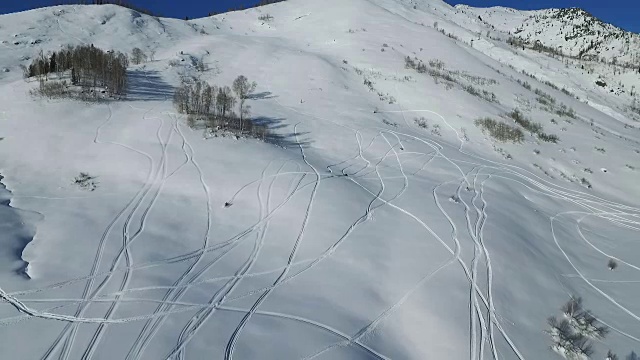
<point x="207" y="98"/>
<point x="243" y="89"/>
<point x="224" y="101"/>
<point x="138" y="56"/>
<point x="573" y="307"/>
<point x="25" y="71"/>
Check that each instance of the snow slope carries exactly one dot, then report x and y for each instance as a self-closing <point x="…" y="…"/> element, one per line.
<point x="358" y="234"/>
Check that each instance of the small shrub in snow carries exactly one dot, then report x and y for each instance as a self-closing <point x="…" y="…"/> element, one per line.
<point x="421" y="122"/>
<point x="369" y="84"/>
<point x="389" y="123"/>
<point x="409" y="63"/>
<point x="200" y="65"/>
<point x="465" y="136"/>
<point x="633" y="356"/>
<point x="436" y="130"/>
<point x="548" y="137"/>
<point x="612" y="265"/>
<point x="611" y="356"/>
<point x="266" y="17"/>
<point x="86" y="181"/>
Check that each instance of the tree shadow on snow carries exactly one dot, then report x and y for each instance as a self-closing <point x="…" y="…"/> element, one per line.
<point x="277" y="136"/>
<point x="262" y="95"/>
<point x="148" y="85"/>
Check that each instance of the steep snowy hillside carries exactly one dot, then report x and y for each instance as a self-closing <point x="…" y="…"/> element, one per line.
<point x="427" y="191"/>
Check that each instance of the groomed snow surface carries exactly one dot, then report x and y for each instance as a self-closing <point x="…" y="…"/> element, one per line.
<point x="358" y="234"/>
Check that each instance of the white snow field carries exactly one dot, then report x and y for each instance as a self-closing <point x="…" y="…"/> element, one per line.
<point x="358" y="232"/>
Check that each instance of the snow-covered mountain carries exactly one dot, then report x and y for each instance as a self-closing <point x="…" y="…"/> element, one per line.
<point x="574" y="32"/>
<point x="380" y="220"/>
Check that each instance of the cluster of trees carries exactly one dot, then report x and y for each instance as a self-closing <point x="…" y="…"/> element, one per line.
<point x="200" y="98"/>
<point x="216" y="104"/>
<point x="89" y="66"/>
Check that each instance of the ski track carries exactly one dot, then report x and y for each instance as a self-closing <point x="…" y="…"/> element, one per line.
<point x="98" y="258"/>
<point x="196" y="322"/>
<point x="151" y="326"/>
<point x="231" y="344"/>
<point x="124" y="250"/>
<point x="127" y="239"/>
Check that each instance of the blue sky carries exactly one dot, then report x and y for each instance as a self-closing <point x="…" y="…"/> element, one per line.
<point x="622" y="13"/>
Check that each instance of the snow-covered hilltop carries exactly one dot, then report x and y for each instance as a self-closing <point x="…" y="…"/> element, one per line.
<point x="418" y="187"/>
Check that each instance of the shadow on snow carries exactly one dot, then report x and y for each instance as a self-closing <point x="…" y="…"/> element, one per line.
<point x="148" y="85"/>
<point x="278" y="137"/>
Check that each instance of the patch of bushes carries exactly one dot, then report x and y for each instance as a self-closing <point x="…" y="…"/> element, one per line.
<point x="548" y="138"/>
<point x="483" y="94"/>
<point x="544" y="98"/>
<point x="86" y="181"/>
<point x="524" y="84"/>
<point x="549" y="104"/>
<point x="51" y="89"/>
<point x="564" y="110"/>
<point x="571" y="335"/>
<point x="520" y="119"/>
<point x="500" y="131"/>
<point x="438" y="71"/>
<point x="532" y="127"/>
<point x="421" y="122"/>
